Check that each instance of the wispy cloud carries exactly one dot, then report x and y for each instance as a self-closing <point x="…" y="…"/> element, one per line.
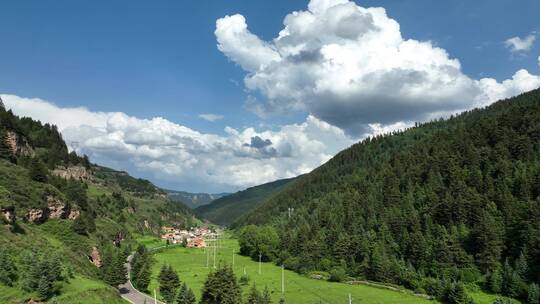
<point x="211" y="117"/>
<point x="517" y="44"/>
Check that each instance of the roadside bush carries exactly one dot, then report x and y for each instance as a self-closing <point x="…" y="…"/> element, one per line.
<point x="337" y="274"/>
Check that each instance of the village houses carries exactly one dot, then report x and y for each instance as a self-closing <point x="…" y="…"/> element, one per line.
<point x="194" y="238"/>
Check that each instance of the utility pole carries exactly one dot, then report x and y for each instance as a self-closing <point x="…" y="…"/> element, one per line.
<point x="207" y="254"/>
<point x="260" y="260"/>
<point x="282" y="279"/>
<point x="214" y="254"/>
<point x="350" y="299"/>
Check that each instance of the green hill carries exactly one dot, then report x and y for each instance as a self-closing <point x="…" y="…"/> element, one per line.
<point x="226" y="210"/>
<point x="455" y="200"/>
<point x="64" y="221"/>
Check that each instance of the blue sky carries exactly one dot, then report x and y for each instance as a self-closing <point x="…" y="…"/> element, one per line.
<point x="160" y="59"/>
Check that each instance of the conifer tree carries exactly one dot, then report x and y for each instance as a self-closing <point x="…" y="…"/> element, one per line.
<point x="533" y="294"/>
<point x="8" y="271"/>
<point x="221" y="287"/>
<point x="495" y="280"/>
<point x="38" y="171"/>
<point x="185" y="295"/>
<point x="45" y="288"/>
<point x="168" y="283"/>
<point x="143" y="277"/>
<point x="265" y="297"/>
<point x="254" y="296"/>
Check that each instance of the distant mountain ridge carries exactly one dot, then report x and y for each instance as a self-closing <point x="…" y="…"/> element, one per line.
<point x="228" y="209"/>
<point x="193" y="200"/>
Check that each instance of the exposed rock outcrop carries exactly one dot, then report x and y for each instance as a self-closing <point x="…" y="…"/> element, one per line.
<point x="72" y="172"/>
<point x="74" y="214"/>
<point x="36" y="216"/>
<point x="57" y="209"/>
<point x="18" y="144"/>
<point x="95" y="257"/>
<point x="8" y="214"/>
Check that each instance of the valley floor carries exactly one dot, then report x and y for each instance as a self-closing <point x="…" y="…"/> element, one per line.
<point x="190" y="265"/>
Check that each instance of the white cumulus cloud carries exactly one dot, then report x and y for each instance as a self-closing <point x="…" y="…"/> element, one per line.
<point x="170" y="152"/>
<point x="351" y="67"/>
<point x="517" y="44"/>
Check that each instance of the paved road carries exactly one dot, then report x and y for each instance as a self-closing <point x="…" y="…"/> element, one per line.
<point x="129" y="293"/>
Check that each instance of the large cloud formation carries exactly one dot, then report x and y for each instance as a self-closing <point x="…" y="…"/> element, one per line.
<point x="351" y="67"/>
<point x="181" y="156"/>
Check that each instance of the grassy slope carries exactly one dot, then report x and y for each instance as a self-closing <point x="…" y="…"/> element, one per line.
<point x="56" y="235"/>
<point x="190" y="265"/>
<point x="226" y="210"/>
<point x="79" y="290"/>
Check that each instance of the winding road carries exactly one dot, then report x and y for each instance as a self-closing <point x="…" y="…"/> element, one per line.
<point x="130" y="293"/>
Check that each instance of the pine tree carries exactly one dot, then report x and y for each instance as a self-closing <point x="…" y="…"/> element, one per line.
<point x="185" y="295"/>
<point x="254" y="296"/>
<point x="533" y="294"/>
<point x="265" y="298"/>
<point x="38" y="171"/>
<point x="44" y="288"/>
<point x="521" y="266"/>
<point x="113" y="269"/>
<point x="495" y="280"/>
<point x="221" y="287"/>
<point x="168" y="283"/>
<point x="143" y="277"/>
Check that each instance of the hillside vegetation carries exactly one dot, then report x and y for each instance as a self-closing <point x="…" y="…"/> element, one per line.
<point x="66" y="225"/>
<point x="449" y="201"/>
<point x="226" y="210"/>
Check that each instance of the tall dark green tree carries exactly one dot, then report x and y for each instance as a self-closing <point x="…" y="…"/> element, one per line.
<point x="221" y="287"/>
<point x="168" y="283"/>
<point x="185" y="295"/>
<point x="533" y="294"/>
<point x="254" y="296"/>
<point x="114" y="269"/>
<point x="38" y="171"/>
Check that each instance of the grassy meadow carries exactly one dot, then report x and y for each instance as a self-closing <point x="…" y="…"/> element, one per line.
<point x="190" y="265"/>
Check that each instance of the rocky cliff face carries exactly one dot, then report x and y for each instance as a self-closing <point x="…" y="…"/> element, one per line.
<point x="56" y="209"/>
<point x="19" y="145"/>
<point x="72" y="172"/>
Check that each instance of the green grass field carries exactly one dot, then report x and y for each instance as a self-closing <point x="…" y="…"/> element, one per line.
<point x="191" y="267"/>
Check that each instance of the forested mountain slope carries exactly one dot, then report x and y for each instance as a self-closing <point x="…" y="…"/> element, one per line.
<point x="449" y="200"/>
<point x="226" y="210"/>
<point x="66" y="224"/>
